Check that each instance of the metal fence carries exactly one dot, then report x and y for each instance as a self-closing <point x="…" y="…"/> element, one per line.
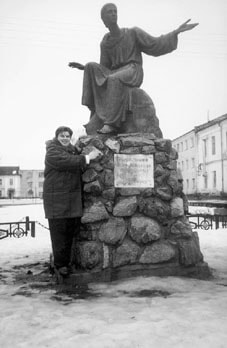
<point x="18" y="229"/>
<point x="207" y="221"/>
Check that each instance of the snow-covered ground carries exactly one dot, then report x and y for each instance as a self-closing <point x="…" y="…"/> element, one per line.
<point x="141" y="312"/>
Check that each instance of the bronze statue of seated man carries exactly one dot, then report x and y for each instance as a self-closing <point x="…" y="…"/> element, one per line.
<point x="106" y="85"/>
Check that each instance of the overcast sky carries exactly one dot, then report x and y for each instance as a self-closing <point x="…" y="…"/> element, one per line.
<point x="39" y="92"/>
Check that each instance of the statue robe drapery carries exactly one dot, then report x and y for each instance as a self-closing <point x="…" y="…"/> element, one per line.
<point x="106" y="85"/>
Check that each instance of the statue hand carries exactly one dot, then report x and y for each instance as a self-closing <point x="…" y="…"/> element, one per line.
<point x="76" y="65"/>
<point x="185" y="26"/>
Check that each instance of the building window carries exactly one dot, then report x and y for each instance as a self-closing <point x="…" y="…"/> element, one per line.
<point x="213" y="145"/>
<point x="187" y="183"/>
<point x="187" y="164"/>
<point x="205" y="181"/>
<point x="178" y="147"/>
<point x="205" y="147"/>
<point x="186" y="144"/>
<point x="193" y="183"/>
<point x="11" y="181"/>
<point x="0" y="181"/>
<point x="40" y="184"/>
<point x="193" y="162"/>
<point x="41" y="174"/>
<point x="182" y="165"/>
<point x="181" y="146"/>
<point x="214" y="179"/>
<point x="29" y="175"/>
<point x="192" y="142"/>
<point x="0" y="193"/>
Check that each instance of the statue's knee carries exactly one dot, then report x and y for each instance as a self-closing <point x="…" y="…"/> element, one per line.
<point x="113" y="78"/>
<point x="91" y="65"/>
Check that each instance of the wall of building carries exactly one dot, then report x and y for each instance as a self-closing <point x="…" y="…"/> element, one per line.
<point x="9" y="186"/>
<point x="32" y="183"/>
<point x="204" y="165"/>
<point x="187" y="160"/>
<point x="224" y="153"/>
<point x="212" y="145"/>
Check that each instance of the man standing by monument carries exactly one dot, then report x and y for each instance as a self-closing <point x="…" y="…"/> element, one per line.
<point x="106" y="85"/>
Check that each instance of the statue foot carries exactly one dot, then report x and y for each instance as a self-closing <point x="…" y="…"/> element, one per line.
<point x="106" y="129"/>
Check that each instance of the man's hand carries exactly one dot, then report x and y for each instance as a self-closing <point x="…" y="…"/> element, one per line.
<point x="185" y="26"/>
<point x="76" y="65"/>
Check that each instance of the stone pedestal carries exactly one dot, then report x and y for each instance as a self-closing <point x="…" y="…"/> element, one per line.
<point x="128" y="231"/>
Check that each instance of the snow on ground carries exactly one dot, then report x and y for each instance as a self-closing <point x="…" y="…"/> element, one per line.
<point x="137" y="313"/>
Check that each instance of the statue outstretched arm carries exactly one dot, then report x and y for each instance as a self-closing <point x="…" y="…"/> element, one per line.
<point x="185" y="26"/>
<point x="76" y="65"/>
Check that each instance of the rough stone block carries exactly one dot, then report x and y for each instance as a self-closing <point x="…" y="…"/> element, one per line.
<point x="136" y="140"/>
<point x="164" y="193"/>
<point x="160" y="157"/>
<point x="182" y="228"/>
<point x="144" y="229"/>
<point x="190" y="253"/>
<point x="127" y="253"/>
<point x="93" y="187"/>
<point x="113" y="231"/>
<point x="177" y="207"/>
<point x="106" y="256"/>
<point x="95" y="212"/>
<point x="125" y="207"/>
<point x="129" y="191"/>
<point x="89" y="175"/>
<point x="113" y="145"/>
<point x="131" y="151"/>
<point x="173" y="181"/>
<point x="109" y="194"/>
<point x="88" y="254"/>
<point x="148" y="149"/>
<point x="163" y="145"/>
<point x="156" y="208"/>
<point x="159" y="170"/>
<point x="158" y="252"/>
<point x="108" y="178"/>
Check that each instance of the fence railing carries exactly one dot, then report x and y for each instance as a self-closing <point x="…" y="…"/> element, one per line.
<point x="207" y="221"/>
<point x="17" y="229"/>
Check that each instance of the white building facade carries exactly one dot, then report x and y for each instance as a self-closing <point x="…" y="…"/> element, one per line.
<point x="32" y="183"/>
<point x="16" y="183"/>
<point x="9" y="182"/>
<point x="187" y="160"/>
<point x="204" y="165"/>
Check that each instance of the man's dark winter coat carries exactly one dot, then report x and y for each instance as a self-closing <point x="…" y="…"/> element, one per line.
<point x="62" y="196"/>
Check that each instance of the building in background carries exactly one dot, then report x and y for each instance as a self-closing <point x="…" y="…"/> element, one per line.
<point x="187" y="160"/>
<point x="32" y="183"/>
<point x="16" y="183"/>
<point x="202" y="158"/>
<point x="10" y="180"/>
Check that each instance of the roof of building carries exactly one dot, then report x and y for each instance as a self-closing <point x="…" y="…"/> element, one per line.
<point x="9" y="170"/>
<point x="211" y="123"/>
<point x="204" y="125"/>
<point x="180" y="136"/>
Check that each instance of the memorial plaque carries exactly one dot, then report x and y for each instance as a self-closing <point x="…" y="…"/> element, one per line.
<point x="133" y="171"/>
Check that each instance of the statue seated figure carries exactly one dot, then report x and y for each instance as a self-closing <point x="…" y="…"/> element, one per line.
<point x="110" y="87"/>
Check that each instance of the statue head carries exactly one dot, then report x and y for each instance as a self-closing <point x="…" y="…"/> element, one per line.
<point x="109" y="14"/>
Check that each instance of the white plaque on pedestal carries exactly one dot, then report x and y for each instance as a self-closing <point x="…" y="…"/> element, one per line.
<point x="133" y="171"/>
